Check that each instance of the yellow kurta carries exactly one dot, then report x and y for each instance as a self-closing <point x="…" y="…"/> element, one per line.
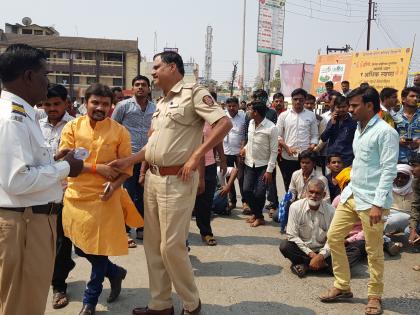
<point x="95" y="226"/>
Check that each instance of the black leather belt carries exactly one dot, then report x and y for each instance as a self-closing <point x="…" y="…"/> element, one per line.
<point x="49" y="208"/>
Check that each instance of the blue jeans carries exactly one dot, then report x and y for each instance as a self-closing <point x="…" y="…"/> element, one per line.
<point x="396" y="222"/>
<point x="135" y="190"/>
<point x="101" y="267"/>
<point x="407" y="230"/>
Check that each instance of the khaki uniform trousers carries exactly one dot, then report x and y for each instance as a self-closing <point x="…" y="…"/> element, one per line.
<point x="168" y="205"/>
<point x="27" y="253"/>
<point x="344" y="218"/>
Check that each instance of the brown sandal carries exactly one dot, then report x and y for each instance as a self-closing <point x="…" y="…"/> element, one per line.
<point x="209" y="240"/>
<point x="131" y="243"/>
<point x="59" y="300"/>
<point x="257" y="222"/>
<point x="251" y="219"/>
<point x="335" y="294"/>
<point x="374" y="305"/>
<point x="416" y="268"/>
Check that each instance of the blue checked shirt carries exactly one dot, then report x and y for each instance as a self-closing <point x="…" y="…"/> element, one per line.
<point x="407" y="129"/>
<point x="129" y="114"/>
<point x="374" y="166"/>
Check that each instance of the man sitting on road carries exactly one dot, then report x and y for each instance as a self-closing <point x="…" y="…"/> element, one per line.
<point x="309" y="219"/>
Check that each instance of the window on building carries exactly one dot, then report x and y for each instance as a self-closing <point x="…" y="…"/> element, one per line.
<point x="76" y="80"/>
<point x="113" y="57"/>
<point x="117" y="81"/>
<point x="62" y="79"/>
<point x="90" y="80"/>
<point x="38" y="32"/>
<point x="89" y="56"/>
<point x="26" y="31"/>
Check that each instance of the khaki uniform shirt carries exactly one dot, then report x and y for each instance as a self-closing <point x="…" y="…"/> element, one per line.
<point x="178" y="124"/>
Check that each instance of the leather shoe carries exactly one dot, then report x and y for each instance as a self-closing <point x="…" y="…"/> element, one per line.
<point x="87" y="309"/>
<point x="116" y="284"/>
<point x="194" y="312"/>
<point x="148" y="311"/>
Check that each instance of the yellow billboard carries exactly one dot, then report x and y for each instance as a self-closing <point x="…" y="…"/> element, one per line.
<point x="379" y="68"/>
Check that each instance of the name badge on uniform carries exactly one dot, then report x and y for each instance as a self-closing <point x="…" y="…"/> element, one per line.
<point x="173" y="105"/>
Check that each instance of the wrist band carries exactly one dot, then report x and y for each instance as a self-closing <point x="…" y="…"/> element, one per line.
<point x="93" y="168"/>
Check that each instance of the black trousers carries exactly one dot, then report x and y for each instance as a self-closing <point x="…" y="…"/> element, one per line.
<point x="204" y="201"/>
<point x="287" y="167"/>
<point x="254" y="189"/>
<point x="231" y="161"/>
<point x="136" y="191"/>
<point x="63" y="261"/>
<point x="292" y="252"/>
<point x="272" y="191"/>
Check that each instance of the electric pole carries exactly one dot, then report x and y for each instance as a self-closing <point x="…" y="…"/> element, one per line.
<point x="371" y="17"/>
<point x="235" y="69"/>
<point x="243" y="54"/>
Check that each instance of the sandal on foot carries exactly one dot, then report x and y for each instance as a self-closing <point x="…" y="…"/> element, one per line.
<point x="374" y="305"/>
<point x="257" y="222"/>
<point x="299" y="270"/>
<point x="209" y="240"/>
<point x="59" y="300"/>
<point x="416" y="268"/>
<point x="335" y="294"/>
<point x="131" y="243"/>
<point x="250" y="220"/>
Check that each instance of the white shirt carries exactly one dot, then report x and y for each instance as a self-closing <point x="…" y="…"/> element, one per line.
<point x="308" y="229"/>
<point x="51" y="133"/>
<point x="221" y="179"/>
<point x="297" y="130"/>
<point x="29" y="176"/>
<point x="262" y="146"/>
<point x="298" y="185"/>
<point x="327" y="116"/>
<point x="232" y="141"/>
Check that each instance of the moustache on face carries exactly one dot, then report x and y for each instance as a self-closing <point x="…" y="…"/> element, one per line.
<point x="99" y="112"/>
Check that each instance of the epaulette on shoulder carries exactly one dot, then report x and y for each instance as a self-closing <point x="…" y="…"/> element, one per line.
<point x="190" y="86"/>
<point x="18" y="109"/>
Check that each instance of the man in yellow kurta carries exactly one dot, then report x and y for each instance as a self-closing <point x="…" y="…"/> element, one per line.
<point x="92" y="217"/>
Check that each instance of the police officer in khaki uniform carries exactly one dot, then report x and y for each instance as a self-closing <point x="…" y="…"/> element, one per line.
<point x="174" y="151"/>
<point x="30" y="185"/>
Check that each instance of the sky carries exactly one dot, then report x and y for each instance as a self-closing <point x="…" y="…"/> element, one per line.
<point x="310" y="25"/>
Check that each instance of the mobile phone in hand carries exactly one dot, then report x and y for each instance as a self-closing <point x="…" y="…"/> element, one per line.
<point x="107" y="188"/>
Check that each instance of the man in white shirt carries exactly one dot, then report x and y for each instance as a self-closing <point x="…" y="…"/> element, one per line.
<point x="309" y="220"/>
<point x="51" y="126"/>
<point x="29" y="184"/>
<point x="232" y="144"/>
<point x="298" y="131"/>
<point x="260" y="160"/>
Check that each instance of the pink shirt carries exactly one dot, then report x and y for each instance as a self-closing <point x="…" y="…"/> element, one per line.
<point x="209" y="156"/>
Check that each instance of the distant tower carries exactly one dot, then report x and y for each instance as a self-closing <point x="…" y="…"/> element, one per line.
<point x="155" y="44"/>
<point x="208" y="58"/>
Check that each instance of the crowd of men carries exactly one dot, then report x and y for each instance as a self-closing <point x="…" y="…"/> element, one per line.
<point x="84" y="176"/>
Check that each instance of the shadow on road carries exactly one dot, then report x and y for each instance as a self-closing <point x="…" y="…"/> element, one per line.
<point x="237" y="240"/>
<point x="237" y="269"/>
<point x="255" y="308"/>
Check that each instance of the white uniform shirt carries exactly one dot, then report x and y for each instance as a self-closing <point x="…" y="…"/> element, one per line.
<point x="29" y="176"/>
<point x="262" y="145"/>
<point x="232" y="141"/>
<point x="51" y="133"/>
<point x="298" y="130"/>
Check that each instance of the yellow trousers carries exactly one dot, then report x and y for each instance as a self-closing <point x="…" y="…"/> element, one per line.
<point x="27" y="254"/>
<point x="168" y="205"/>
<point x="344" y="218"/>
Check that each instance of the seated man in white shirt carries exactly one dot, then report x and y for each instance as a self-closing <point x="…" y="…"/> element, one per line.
<point x="309" y="220"/>
<point x="300" y="178"/>
<point x="260" y="160"/>
<point x="220" y="200"/>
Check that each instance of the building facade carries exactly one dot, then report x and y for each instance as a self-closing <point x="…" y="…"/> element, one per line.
<point x="77" y="62"/>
